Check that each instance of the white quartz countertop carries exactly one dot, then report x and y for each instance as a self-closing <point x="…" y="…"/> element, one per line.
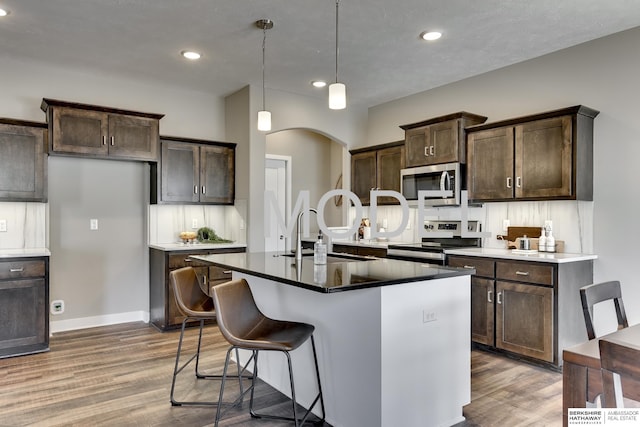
<point x="179" y="246"/>
<point x="19" y="253"/>
<point x="557" y="258"/>
<point x="362" y="243"/>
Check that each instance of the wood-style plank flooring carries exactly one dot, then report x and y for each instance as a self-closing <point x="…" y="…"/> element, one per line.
<point x="121" y="376"/>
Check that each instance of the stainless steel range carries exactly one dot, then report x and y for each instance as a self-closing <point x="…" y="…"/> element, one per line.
<point x="431" y="249"/>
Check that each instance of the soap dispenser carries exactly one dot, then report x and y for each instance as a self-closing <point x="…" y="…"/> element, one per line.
<point x="542" y="241"/>
<point x="320" y="251"/>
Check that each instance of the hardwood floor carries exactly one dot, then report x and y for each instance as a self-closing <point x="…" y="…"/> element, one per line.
<point x="121" y="376"/>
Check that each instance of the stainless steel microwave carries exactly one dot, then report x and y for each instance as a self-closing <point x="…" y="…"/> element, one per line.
<point x="442" y="177"/>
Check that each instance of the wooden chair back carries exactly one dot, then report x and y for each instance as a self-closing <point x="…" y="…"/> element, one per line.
<point x="598" y="292"/>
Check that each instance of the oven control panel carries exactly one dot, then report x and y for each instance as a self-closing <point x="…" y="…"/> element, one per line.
<point x="452" y="226"/>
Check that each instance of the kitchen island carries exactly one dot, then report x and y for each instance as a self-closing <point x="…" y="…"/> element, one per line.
<point x="392" y="336"/>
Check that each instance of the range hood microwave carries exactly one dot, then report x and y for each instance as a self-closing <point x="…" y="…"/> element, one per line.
<point x="442" y="177"/>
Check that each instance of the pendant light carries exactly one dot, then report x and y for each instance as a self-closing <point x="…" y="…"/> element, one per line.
<point x="337" y="91"/>
<point x="264" y="116"/>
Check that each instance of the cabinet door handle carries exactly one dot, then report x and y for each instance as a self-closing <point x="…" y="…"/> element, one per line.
<point x="195" y="189"/>
<point x="204" y="190"/>
<point x="204" y="280"/>
<point x="489" y="296"/>
<point x="499" y="296"/>
<point x="522" y="273"/>
<point x="469" y="266"/>
<point x="17" y="270"/>
<point x="508" y="182"/>
<point x="518" y="181"/>
<point x="426" y="151"/>
<point x="112" y="141"/>
<point x="104" y="139"/>
<point x="432" y="150"/>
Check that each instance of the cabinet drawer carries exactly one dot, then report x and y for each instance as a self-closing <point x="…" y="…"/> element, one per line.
<point x="484" y="267"/>
<point x="19" y="269"/>
<point x="183" y="260"/>
<point x="218" y="273"/>
<point x="525" y="272"/>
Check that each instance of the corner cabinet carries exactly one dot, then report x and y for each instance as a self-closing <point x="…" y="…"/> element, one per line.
<point x="194" y="171"/>
<point x="163" y="309"/>
<point x="101" y="132"/>
<point x="438" y="140"/>
<point x="525" y="308"/>
<point x="24" y="306"/>
<point x="377" y="168"/>
<point x="546" y="156"/>
<point x="23" y="161"/>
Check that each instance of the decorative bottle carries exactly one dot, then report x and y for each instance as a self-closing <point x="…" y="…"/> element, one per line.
<point x="551" y="242"/>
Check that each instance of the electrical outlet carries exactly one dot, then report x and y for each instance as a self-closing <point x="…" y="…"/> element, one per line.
<point x="429" y="316"/>
<point x="194" y="223"/>
<point x="57" y="306"/>
<point x="3" y="225"/>
<point x="93" y="224"/>
<point x="505" y="225"/>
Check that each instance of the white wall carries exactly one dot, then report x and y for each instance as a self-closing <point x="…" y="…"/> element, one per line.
<point x="601" y="74"/>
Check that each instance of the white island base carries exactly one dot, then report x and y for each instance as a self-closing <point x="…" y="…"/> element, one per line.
<point x="395" y="355"/>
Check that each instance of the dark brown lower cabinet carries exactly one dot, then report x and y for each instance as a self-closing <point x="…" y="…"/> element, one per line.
<point x="163" y="309"/>
<point x="525" y="308"/>
<point x="360" y="250"/>
<point x="524" y="319"/>
<point x="24" y="300"/>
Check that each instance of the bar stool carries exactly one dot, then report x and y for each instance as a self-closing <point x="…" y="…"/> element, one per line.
<point x="244" y="326"/>
<point x="194" y="304"/>
<point x="591" y="295"/>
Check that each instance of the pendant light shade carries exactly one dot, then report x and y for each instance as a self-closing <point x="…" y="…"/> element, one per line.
<point x="264" y="116"/>
<point x="337" y="91"/>
<point x="264" y="120"/>
<point x="337" y="96"/>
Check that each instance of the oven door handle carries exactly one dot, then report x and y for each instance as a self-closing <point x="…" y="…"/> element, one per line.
<point x="445" y="182"/>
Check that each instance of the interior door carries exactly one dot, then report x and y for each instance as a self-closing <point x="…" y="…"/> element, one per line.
<point x="276" y="182"/>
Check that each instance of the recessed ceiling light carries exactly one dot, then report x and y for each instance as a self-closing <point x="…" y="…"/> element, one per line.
<point x="4" y="12"/>
<point x="189" y="54"/>
<point x="431" y="35"/>
<point x="319" y="83"/>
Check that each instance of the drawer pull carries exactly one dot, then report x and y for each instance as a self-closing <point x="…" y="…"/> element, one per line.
<point x="188" y="260"/>
<point x="489" y="296"/>
<point x="469" y="266"/>
<point x="17" y="270"/>
<point x="227" y="272"/>
<point x="522" y="273"/>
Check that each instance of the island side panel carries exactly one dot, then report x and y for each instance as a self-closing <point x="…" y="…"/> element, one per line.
<point x="348" y="339"/>
<point x="426" y="352"/>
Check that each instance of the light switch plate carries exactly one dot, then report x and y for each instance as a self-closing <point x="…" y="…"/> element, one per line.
<point x="3" y="225"/>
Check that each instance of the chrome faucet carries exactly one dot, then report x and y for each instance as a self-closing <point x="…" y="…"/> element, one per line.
<point x="299" y="233"/>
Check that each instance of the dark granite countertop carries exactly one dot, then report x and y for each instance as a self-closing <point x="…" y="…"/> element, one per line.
<point x="341" y="273"/>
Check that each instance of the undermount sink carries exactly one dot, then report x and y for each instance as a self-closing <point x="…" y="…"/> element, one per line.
<point x="334" y="257"/>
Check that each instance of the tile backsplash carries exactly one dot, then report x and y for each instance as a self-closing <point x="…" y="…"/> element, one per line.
<point x="167" y="221"/>
<point x="26" y="225"/>
<point x="572" y="220"/>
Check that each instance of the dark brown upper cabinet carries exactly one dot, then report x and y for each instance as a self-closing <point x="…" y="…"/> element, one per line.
<point x="101" y="132"/>
<point x="438" y="140"/>
<point x="378" y="168"/>
<point x="23" y="161"/>
<point x="194" y="171"/>
<point x="547" y="156"/>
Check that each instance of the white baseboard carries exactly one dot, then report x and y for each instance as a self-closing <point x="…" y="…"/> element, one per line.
<point x="93" y="321"/>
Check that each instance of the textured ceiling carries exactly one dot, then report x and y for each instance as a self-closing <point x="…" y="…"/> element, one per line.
<point x="381" y="55"/>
